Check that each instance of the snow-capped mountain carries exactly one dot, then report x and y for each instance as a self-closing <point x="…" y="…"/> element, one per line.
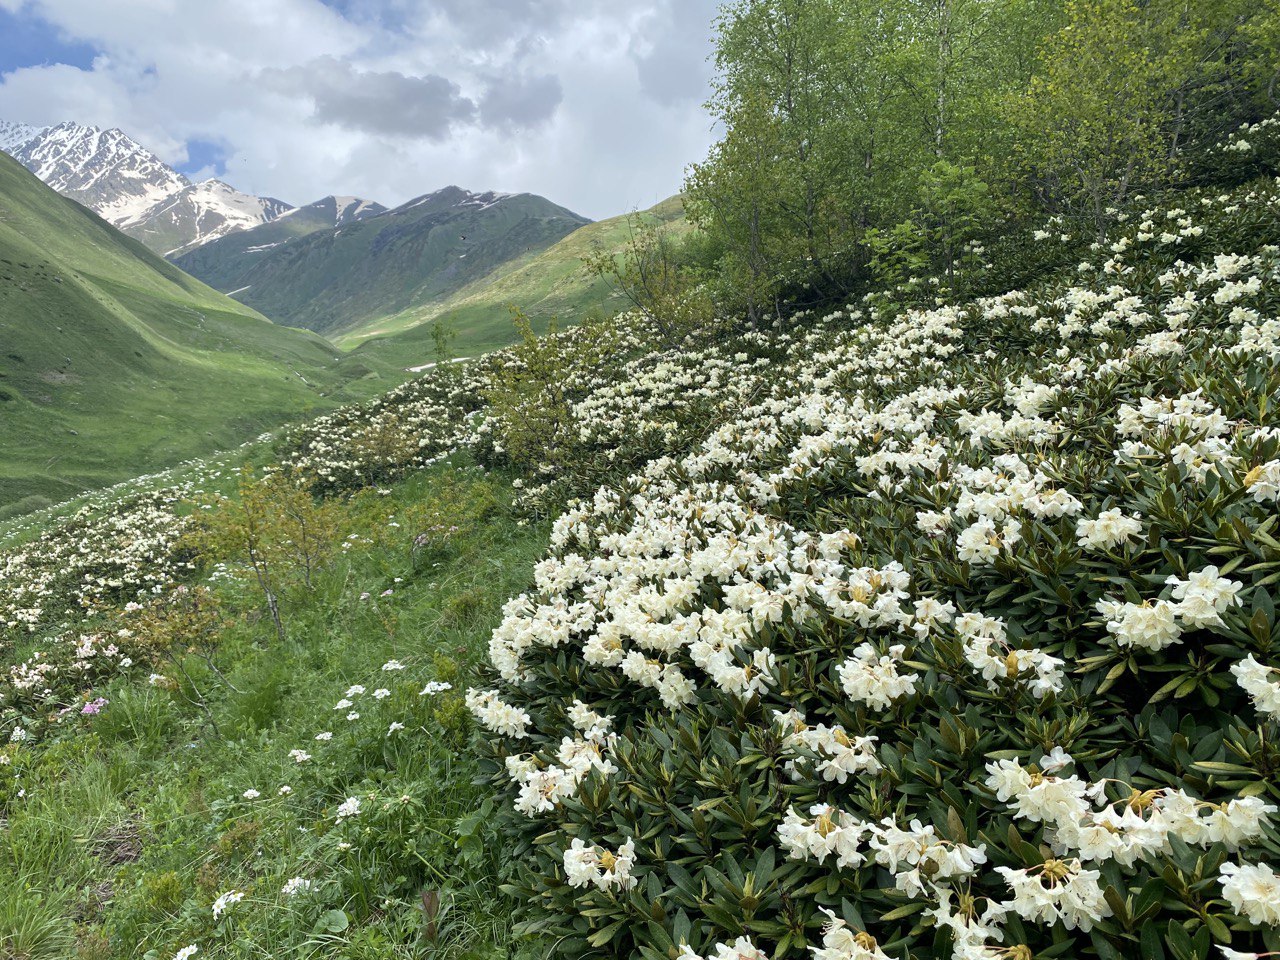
<point x="103" y="169"/>
<point x="347" y="209"/>
<point x="13" y="134"/>
<point x="130" y="187"/>
<point x="199" y="213"/>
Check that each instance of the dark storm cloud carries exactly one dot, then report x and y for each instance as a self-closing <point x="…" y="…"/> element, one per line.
<point x="384" y="102"/>
<point x="515" y="103"/>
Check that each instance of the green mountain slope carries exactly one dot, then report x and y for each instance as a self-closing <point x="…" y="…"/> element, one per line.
<point x="546" y="284"/>
<point x="114" y="362"/>
<point x="225" y="263"/>
<point x="415" y="254"/>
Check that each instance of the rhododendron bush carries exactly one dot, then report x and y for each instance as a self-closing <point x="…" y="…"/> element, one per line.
<point x="954" y="636"/>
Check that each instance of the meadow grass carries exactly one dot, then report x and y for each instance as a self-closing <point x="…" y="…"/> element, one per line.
<point x="131" y="826"/>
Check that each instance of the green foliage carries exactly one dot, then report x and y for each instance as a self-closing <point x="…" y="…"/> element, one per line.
<point x="941" y="236"/>
<point x="842" y="120"/>
<point x="133" y="821"/>
<point x="1091" y="126"/>
<point x="530" y="396"/>
<point x="276" y="528"/>
<point x="33" y="924"/>
<point x="654" y="273"/>
<point x="834" y="114"/>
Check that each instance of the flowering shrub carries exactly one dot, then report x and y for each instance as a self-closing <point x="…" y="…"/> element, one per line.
<point x="953" y="637"/>
<point x="366" y="444"/>
<point x="98" y="559"/>
<point x="1249" y="151"/>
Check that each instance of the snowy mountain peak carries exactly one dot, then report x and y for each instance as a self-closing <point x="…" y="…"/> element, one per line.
<point x="201" y="212"/>
<point x="105" y="170"/>
<point x="13" y="134"/>
<point x="132" y="188"/>
<point x="337" y="211"/>
<point x="455" y="196"/>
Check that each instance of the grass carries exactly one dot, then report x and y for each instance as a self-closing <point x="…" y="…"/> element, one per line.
<point x="115" y="363"/>
<point x="134" y="822"/>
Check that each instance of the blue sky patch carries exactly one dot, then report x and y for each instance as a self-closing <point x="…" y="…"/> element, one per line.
<point x="202" y="154"/>
<point x="27" y="40"/>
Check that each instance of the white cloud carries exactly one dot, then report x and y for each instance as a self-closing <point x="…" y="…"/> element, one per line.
<point x="592" y="103"/>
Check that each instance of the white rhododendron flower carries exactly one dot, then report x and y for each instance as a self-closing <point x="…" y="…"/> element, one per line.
<point x="741" y="949"/>
<point x="1263" y="482"/>
<point x="1057" y="891"/>
<point x="1261" y="682"/>
<point x="1204" y="596"/>
<point x="824" y="833"/>
<point x="497" y="715"/>
<point x="1108" y="530"/>
<point x="595" y="866"/>
<point x="867" y="677"/>
<point x="1151" y="625"/>
<point x="840" y="942"/>
<point x="1253" y="891"/>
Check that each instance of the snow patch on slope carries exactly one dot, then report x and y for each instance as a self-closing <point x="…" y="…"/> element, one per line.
<point x="213" y="209"/>
<point x="14" y="134"/>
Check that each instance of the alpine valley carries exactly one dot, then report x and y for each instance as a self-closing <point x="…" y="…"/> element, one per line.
<point x="131" y="296"/>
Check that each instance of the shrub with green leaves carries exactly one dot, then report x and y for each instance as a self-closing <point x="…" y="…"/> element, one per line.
<point x="958" y="640"/>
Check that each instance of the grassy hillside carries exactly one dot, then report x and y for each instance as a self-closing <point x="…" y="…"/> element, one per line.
<point x="225" y="263"/>
<point x="113" y="362"/>
<point x="418" y="253"/>
<point x="546" y="284"/>
<point x="982" y="556"/>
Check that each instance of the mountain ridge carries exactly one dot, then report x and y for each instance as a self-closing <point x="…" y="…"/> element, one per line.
<point x="131" y="187"/>
<point x="334" y="278"/>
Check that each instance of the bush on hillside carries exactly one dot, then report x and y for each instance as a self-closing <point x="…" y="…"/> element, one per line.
<point x="957" y="640"/>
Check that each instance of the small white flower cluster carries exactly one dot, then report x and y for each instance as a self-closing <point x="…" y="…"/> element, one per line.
<point x="987" y="650"/>
<point x="349" y="808"/>
<point x="225" y="901"/>
<point x="824" y="833"/>
<point x="543" y="786"/>
<point x="835" y="755"/>
<point x="916" y="856"/>
<point x="297" y="885"/>
<point x="1255" y="679"/>
<point x="1081" y="820"/>
<point x="873" y="679"/>
<point x="595" y="866"/>
<point x="1153" y="625"/>
<point x="1110" y="529"/>
<point x="741" y="949"/>
<point x="1057" y="891"/>
<point x="1253" y="890"/>
<point x="497" y="715"/>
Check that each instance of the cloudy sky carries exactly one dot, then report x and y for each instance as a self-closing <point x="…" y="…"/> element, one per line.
<point x="596" y="104"/>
